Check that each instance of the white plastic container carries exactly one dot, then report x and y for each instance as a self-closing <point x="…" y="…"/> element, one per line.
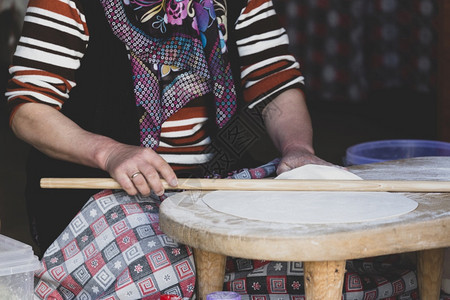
<point x="17" y="266"/>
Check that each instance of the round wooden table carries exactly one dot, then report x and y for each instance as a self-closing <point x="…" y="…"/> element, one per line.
<point x="323" y="249"/>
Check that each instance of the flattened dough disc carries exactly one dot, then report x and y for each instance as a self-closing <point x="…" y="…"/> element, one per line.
<point x="318" y="172"/>
<point x="310" y="207"/>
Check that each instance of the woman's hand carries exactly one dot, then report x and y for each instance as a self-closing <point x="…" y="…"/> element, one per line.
<point x="138" y="169"/>
<point x="297" y="157"/>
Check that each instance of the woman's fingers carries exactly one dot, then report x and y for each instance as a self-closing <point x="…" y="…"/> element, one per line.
<point x="126" y="183"/>
<point x="298" y="158"/>
<point x="139" y="170"/>
<point x="152" y="182"/>
<point x="153" y="173"/>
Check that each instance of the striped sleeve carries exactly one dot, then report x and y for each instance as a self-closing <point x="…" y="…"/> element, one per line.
<point x="267" y="66"/>
<point x="53" y="41"/>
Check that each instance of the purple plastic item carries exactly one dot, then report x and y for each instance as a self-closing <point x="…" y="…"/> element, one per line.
<point x="384" y="150"/>
<point x="223" y="295"/>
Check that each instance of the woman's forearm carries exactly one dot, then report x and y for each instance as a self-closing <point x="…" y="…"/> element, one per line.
<point x="289" y="125"/>
<point x="288" y="122"/>
<point x="54" y="134"/>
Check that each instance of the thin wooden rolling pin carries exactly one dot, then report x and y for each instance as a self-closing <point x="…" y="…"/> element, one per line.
<point x="263" y="185"/>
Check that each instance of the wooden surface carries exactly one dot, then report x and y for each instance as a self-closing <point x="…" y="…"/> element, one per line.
<point x="427" y="261"/>
<point x="186" y="218"/>
<point x="324" y="279"/>
<point x="421" y="229"/>
<point x="213" y="271"/>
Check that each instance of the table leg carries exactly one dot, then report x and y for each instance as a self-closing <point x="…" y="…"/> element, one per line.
<point x="324" y="280"/>
<point x="429" y="273"/>
<point x="210" y="272"/>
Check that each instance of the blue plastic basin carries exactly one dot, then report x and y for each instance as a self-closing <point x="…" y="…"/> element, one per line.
<point x="378" y="151"/>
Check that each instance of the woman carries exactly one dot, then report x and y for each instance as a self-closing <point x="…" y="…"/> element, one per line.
<point x="139" y="91"/>
<point x="82" y="69"/>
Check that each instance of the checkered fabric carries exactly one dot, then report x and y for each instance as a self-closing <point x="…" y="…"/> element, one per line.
<point x="388" y="277"/>
<point x="114" y="249"/>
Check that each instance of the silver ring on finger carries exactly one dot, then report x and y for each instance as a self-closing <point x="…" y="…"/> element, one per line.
<point x="135" y="174"/>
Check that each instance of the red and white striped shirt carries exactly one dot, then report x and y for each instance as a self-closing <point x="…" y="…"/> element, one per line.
<point x="55" y="37"/>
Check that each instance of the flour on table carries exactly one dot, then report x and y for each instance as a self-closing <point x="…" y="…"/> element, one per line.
<point x="311" y="207"/>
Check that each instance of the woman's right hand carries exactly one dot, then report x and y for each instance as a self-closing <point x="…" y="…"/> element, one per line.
<point x="139" y="170"/>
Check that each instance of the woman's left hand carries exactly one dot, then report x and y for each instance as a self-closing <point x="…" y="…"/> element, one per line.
<point x="298" y="157"/>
